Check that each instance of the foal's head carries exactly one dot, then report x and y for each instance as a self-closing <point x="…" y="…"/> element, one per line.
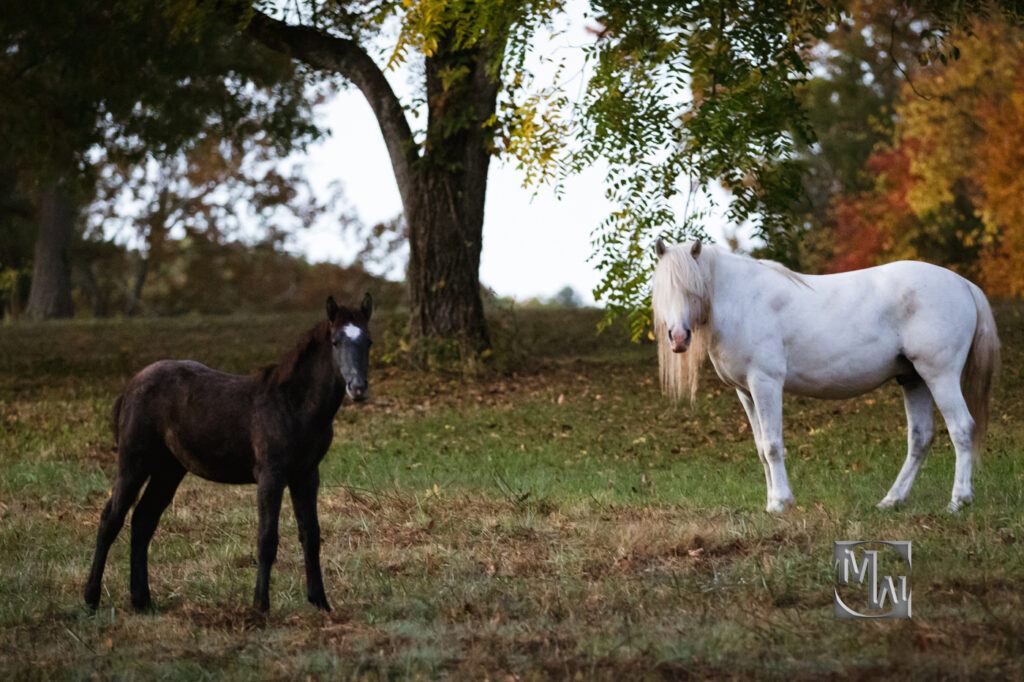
<point x="350" y="338"/>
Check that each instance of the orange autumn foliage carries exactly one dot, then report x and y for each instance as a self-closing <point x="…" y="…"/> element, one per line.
<point x="1000" y="176"/>
<point x="950" y="186"/>
<point x="867" y="225"/>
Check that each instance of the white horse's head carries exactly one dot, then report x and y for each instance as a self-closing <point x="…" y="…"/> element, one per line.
<point x="681" y="298"/>
<point x="681" y="292"/>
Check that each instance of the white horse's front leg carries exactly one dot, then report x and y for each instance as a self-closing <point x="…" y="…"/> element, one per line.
<point x="755" y="428"/>
<point x="767" y="395"/>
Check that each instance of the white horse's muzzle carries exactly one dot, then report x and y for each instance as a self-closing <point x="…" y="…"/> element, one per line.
<point x="680" y="341"/>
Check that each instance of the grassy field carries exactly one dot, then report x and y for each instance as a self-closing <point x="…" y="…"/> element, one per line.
<point x="556" y="521"/>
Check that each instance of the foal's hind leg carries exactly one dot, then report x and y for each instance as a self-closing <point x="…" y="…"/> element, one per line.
<point x="162" y="485"/>
<point x="130" y="478"/>
<point x="920" y="431"/>
<point x="755" y="428"/>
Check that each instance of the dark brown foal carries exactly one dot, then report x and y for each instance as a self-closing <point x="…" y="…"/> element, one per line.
<point x="271" y="429"/>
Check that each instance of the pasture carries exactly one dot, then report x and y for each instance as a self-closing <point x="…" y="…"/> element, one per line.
<point x="555" y="519"/>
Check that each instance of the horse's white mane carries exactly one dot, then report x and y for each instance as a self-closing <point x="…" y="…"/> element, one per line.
<point x="794" y="277"/>
<point x="678" y="277"/>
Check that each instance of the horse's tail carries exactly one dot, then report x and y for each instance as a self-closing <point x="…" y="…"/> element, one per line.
<point x="115" y="419"/>
<point x="981" y="369"/>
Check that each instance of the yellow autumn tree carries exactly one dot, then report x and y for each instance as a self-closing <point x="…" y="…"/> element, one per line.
<point x="999" y="173"/>
<point x="960" y="138"/>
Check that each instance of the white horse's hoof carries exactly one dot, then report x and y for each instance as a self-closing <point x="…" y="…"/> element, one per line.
<point x="959" y="503"/>
<point x="779" y="506"/>
<point x="889" y="502"/>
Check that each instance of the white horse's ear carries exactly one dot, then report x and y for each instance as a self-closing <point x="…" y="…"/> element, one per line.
<point x="659" y="248"/>
<point x="695" y="249"/>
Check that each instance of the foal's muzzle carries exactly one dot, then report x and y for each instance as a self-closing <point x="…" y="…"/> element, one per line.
<point x="680" y="342"/>
<point x="357" y="391"/>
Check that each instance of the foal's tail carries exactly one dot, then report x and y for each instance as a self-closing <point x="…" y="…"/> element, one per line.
<point x="115" y="419"/>
<point x="981" y="369"/>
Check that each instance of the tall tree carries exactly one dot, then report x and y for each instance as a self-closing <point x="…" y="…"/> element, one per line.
<point x="683" y="95"/>
<point x="78" y="76"/>
<point x="441" y="171"/>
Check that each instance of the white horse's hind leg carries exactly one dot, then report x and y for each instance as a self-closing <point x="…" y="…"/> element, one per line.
<point x="920" y="432"/>
<point x="767" y="395"/>
<point x="755" y="428"/>
<point x="960" y="424"/>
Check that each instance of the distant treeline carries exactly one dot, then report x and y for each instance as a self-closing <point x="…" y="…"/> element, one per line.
<point x="196" y="275"/>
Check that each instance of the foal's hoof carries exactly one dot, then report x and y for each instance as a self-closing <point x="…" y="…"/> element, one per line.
<point x="143" y="605"/>
<point x="889" y="503"/>
<point x="320" y="602"/>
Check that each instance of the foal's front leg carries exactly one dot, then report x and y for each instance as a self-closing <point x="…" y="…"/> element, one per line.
<point x="269" y="493"/>
<point x="767" y="396"/>
<point x="303" y="490"/>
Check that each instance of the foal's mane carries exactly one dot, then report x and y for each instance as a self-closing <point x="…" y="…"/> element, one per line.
<point x="283" y="371"/>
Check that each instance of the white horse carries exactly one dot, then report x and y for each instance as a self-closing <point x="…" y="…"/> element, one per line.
<point x="769" y="330"/>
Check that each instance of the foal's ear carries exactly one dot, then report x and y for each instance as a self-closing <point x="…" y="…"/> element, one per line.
<point x="367" y="306"/>
<point x="659" y="247"/>
<point x="695" y="249"/>
<point x="332" y="309"/>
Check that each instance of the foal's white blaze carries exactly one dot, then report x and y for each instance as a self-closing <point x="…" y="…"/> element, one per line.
<point x="769" y="330"/>
<point x="353" y="332"/>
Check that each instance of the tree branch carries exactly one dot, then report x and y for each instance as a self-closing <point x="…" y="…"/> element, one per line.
<point x="896" y="63"/>
<point x="347" y="58"/>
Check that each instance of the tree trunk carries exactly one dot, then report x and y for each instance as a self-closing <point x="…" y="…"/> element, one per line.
<point x="50" y="293"/>
<point x="156" y="238"/>
<point x="89" y="286"/>
<point x="134" y="302"/>
<point x="445" y="222"/>
<point x="445" y="206"/>
<point x="443" y="182"/>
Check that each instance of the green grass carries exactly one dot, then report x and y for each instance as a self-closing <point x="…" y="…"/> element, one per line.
<point x="561" y="520"/>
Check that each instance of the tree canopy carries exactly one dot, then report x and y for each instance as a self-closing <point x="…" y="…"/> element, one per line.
<point x="679" y="98"/>
<point x="947" y="182"/>
<point x="134" y="81"/>
<point x="686" y="96"/>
